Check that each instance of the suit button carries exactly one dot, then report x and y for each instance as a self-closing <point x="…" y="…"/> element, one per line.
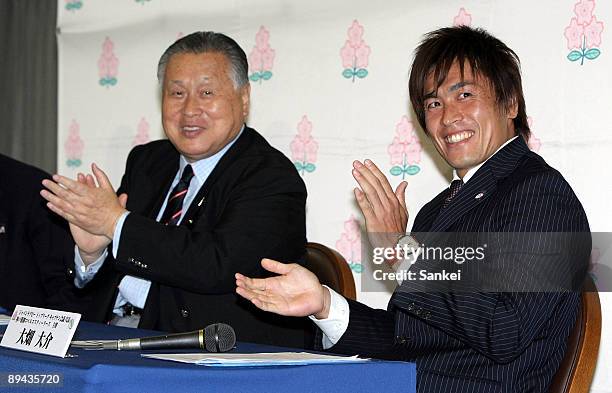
<point x="184" y="313"/>
<point x="400" y="340"/>
<point x="410" y="307"/>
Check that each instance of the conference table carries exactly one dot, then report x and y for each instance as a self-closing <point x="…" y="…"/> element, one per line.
<point x="126" y="371"/>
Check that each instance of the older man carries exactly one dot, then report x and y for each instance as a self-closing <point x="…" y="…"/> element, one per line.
<point x="193" y="210"/>
<point x="510" y="335"/>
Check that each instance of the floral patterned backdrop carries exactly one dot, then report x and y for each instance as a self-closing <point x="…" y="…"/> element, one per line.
<point x="330" y="85"/>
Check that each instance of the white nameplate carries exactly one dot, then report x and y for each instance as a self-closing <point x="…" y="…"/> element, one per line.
<point x="40" y="330"/>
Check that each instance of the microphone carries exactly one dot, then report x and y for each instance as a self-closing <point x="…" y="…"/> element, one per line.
<point x="217" y="337"/>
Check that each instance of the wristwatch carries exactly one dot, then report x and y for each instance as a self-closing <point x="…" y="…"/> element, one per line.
<point x="411" y="244"/>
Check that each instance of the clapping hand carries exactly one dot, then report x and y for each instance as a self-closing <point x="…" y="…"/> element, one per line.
<point x="384" y="210"/>
<point x="91" y="209"/>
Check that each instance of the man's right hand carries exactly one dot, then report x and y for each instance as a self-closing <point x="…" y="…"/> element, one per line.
<point x="295" y="292"/>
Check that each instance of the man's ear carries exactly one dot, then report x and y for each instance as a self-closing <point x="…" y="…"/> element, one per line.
<point x="512" y="109"/>
<point x="245" y="95"/>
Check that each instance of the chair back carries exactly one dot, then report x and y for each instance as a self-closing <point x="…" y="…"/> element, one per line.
<point x="331" y="269"/>
<point x="577" y="367"/>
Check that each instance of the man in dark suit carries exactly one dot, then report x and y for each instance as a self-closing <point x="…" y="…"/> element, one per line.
<point x="193" y="210"/>
<point x="465" y="89"/>
<point x="33" y="261"/>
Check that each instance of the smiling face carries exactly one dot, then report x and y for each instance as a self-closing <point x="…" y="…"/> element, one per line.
<point x="202" y="111"/>
<point x="463" y="119"/>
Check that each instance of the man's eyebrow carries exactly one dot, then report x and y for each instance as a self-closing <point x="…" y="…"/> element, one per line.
<point x="459" y="85"/>
<point x="454" y="87"/>
<point x="204" y="79"/>
<point x="431" y="94"/>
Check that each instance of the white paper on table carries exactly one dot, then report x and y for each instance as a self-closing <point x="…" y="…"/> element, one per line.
<point x="255" y="359"/>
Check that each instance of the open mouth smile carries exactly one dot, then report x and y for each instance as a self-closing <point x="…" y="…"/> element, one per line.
<point x="458" y="137"/>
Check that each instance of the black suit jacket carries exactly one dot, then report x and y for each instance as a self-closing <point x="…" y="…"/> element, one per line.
<point x="251" y="206"/>
<point x="35" y="246"/>
<point x="484" y="341"/>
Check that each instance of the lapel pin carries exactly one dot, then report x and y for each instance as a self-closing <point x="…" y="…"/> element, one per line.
<point x="479" y="195"/>
<point x="2" y="229"/>
<point x="201" y="201"/>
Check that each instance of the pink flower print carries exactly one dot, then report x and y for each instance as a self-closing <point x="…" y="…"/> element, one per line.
<point x="584" y="11"/>
<point x="355" y="53"/>
<point x="304" y="148"/>
<point x="262" y="39"/>
<point x="592" y="32"/>
<point x="261" y="58"/>
<point x="404" y="130"/>
<point x="108" y="64"/>
<point x="355" y="33"/>
<point x="396" y="152"/>
<point x="349" y="244"/>
<point x="255" y="61"/>
<point x="267" y="59"/>
<point x="462" y="18"/>
<point x="347" y="53"/>
<point x="405" y="150"/>
<point x="74" y="145"/>
<point x="533" y="142"/>
<point x="573" y="33"/>
<point x="362" y="54"/>
<point x="413" y="152"/>
<point x="142" y="135"/>
<point x="584" y="33"/>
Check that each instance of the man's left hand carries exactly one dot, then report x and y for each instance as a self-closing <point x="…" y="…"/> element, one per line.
<point x="94" y="209"/>
<point x="384" y="210"/>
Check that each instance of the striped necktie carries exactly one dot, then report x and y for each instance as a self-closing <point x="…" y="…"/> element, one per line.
<point x="174" y="207"/>
<point x="455" y="186"/>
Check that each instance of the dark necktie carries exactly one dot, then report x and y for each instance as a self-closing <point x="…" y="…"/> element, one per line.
<point x="174" y="207"/>
<point x="454" y="190"/>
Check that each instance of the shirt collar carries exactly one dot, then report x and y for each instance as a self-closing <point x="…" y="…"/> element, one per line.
<point x="468" y="175"/>
<point x="202" y="168"/>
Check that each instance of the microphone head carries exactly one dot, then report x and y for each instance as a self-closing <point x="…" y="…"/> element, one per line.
<point x="219" y="337"/>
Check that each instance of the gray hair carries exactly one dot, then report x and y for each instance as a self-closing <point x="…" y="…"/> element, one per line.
<point x="209" y="41"/>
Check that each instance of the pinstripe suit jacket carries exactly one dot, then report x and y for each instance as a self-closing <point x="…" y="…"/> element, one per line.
<point x="483" y="341"/>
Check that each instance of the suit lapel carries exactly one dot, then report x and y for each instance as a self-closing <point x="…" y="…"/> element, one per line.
<point x="482" y="185"/>
<point x="474" y="192"/>
<point x="160" y="174"/>
<point x="243" y="142"/>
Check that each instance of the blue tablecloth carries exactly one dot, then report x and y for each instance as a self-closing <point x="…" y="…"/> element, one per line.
<point x="113" y="371"/>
